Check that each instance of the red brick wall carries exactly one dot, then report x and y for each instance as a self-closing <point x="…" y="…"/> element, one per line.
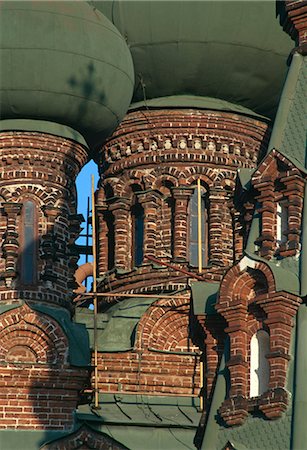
<point x="164" y="156"/>
<point x="38" y="387"/>
<point x="41" y="168"/>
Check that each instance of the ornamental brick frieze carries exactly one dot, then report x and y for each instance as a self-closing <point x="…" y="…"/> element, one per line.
<point x="181" y="137"/>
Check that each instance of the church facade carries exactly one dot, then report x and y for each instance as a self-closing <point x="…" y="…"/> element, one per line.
<point x="195" y="115"/>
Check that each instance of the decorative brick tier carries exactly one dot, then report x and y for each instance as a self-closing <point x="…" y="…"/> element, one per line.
<point x="155" y="158"/>
<point x="40" y="168"/>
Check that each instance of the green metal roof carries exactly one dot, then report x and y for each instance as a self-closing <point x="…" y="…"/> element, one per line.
<point x="27" y="439"/>
<point x="289" y="132"/>
<point x="193" y="101"/>
<point x="64" y="62"/>
<point x="143" y="422"/>
<point x="204" y="296"/>
<point x="244" y="176"/>
<point x="299" y="438"/>
<point x="42" y="126"/>
<point x="117" y="326"/>
<point x="230" y="50"/>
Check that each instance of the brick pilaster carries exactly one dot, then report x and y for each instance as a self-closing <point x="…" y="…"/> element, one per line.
<point x="181" y="235"/>
<point x="122" y="227"/>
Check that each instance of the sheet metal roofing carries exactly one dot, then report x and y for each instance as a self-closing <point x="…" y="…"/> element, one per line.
<point x="232" y="50"/>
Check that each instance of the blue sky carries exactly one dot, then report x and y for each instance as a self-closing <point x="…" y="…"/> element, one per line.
<point x="84" y="181"/>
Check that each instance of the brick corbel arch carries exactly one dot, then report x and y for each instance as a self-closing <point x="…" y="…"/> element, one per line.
<point x="164" y="325"/>
<point x="30" y="337"/>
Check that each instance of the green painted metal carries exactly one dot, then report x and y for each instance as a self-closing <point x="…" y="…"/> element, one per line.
<point x="27" y="439"/>
<point x="42" y="126"/>
<point x="231" y="50"/>
<point x="299" y="439"/>
<point x="204" y="296"/>
<point x="64" y="62"/>
<point x="194" y="101"/>
<point x="212" y="427"/>
<point x="117" y="326"/>
<point x="244" y="176"/>
<point x="289" y="132"/>
<point x="143" y="422"/>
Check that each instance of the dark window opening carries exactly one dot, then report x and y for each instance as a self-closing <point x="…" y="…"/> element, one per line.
<point x="138" y="234"/>
<point x="111" y="240"/>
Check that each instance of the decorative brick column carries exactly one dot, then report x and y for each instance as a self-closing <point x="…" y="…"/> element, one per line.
<point x="219" y="246"/>
<point x="122" y="228"/>
<point x="149" y="200"/>
<point x="10" y="243"/>
<point x="182" y="196"/>
<point x="268" y="223"/>
<point x="103" y="241"/>
<point x="281" y="309"/>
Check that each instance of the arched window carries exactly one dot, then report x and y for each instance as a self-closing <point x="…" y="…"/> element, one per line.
<point x="28" y="266"/>
<point x="193" y="228"/>
<point x="137" y="213"/>
<point x="259" y="365"/>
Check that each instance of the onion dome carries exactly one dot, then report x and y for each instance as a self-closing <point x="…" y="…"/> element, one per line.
<point x="64" y="62"/>
<point x="227" y="50"/>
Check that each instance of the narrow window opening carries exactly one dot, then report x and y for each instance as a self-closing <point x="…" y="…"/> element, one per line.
<point x="111" y="240"/>
<point x="281" y="223"/>
<point x="193" y="228"/>
<point x="259" y="365"/>
<point x="137" y="213"/>
<point x="29" y="246"/>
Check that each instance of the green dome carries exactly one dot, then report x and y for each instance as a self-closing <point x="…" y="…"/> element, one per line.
<point x="64" y="62"/>
<point x="234" y="51"/>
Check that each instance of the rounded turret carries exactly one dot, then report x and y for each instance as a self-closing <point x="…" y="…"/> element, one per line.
<point x="232" y="51"/>
<point x="64" y="62"/>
